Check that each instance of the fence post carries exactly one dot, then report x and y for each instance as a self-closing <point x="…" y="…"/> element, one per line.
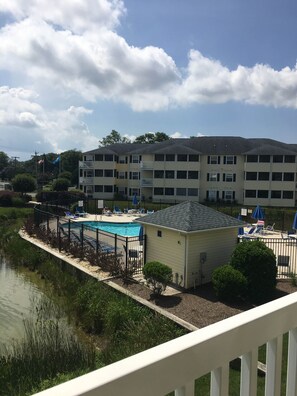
<point x="69" y="228"/>
<point x="126" y="251"/>
<point x="115" y="246"/>
<point x="97" y="241"/>
<point x="82" y="239"/>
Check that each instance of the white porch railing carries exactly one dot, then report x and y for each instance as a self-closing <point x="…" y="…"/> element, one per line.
<point x="176" y="364"/>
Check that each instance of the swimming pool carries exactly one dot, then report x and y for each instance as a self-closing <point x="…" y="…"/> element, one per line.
<point x="123" y="229"/>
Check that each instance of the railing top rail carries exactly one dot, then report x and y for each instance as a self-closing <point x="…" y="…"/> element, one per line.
<point x="181" y="360"/>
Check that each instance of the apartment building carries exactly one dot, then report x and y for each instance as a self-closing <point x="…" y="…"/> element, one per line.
<point x="231" y="169"/>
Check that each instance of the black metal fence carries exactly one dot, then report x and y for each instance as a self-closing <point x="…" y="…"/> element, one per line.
<point x="111" y="252"/>
<point x="285" y="250"/>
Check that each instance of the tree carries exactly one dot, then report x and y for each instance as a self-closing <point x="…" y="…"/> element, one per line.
<point x="112" y="138"/>
<point x="70" y="160"/>
<point x="151" y="137"/>
<point x="4" y="160"/>
<point x="61" y="184"/>
<point x="23" y="183"/>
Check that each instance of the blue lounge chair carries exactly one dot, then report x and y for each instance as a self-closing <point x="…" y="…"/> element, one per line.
<point x="70" y="215"/>
<point x="117" y="211"/>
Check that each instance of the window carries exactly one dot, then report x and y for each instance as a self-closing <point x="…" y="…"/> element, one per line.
<point x="262" y="194"/>
<point x="277" y="158"/>
<point x="263" y="176"/>
<point x="182" y="157"/>
<point x="98" y="157"/>
<point x="288" y="176"/>
<point x="276" y="194"/>
<point x="121" y="175"/>
<point x="193" y="158"/>
<point x="169" y="191"/>
<point x="192" y="174"/>
<point x="159" y="157"/>
<point x="229" y="159"/>
<point x="276" y="176"/>
<point x="193" y="192"/>
<point x="214" y="177"/>
<point x="89" y="173"/>
<point x="108" y="189"/>
<point x="170" y="157"/>
<point x="250" y="193"/>
<point x="264" y="158"/>
<point x="98" y="172"/>
<point x="158" y="174"/>
<point x="228" y="195"/>
<point x="169" y="174"/>
<point x="213" y="159"/>
<point x="290" y="159"/>
<point x="108" y="157"/>
<point x="251" y="176"/>
<point x="158" y="191"/>
<point x="288" y="194"/>
<point x="122" y="159"/>
<point x="98" y="188"/>
<point x="159" y="233"/>
<point x="134" y="175"/>
<point x="212" y="195"/>
<point x="181" y="191"/>
<point x="135" y="159"/>
<point x="251" y="158"/>
<point x="181" y="174"/>
<point x="108" y="173"/>
<point x="134" y="191"/>
<point x="229" y="177"/>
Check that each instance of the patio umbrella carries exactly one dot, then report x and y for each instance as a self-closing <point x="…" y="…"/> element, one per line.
<point x="240" y="229"/>
<point x="258" y="213"/>
<point x="295" y="222"/>
<point x="134" y="200"/>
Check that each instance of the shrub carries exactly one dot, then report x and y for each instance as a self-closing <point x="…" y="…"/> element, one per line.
<point x="229" y="283"/>
<point x="258" y="264"/>
<point x="157" y="275"/>
<point x="61" y="184"/>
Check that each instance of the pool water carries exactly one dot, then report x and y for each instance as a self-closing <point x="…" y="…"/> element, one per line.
<point x="123" y="229"/>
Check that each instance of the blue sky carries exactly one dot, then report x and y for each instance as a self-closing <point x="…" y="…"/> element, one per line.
<point x="70" y="72"/>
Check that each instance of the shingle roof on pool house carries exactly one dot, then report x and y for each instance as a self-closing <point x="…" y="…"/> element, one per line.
<point x="190" y="217"/>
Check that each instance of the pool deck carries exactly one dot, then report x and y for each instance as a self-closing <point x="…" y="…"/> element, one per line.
<point x="113" y="218"/>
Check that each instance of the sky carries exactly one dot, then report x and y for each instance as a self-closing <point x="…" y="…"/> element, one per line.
<point x="73" y="71"/>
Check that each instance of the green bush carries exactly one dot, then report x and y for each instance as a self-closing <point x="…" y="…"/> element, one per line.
<point x="157" y="275"/>
<point x="229" y="283"/>
<point x="258" y="264"/>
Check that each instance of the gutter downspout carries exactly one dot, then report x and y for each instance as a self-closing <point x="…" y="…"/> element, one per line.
<point x="186" y="260"/>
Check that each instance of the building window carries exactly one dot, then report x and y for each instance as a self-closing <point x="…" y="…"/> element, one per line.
<point x="158" y="174"/>
<point x="169" y="174"/>
<point x="250" y="193"/>
<point x="229" y="159"/>
<point x="134" y="175"/>
<point x="264" y="158"/>
<point x="251" y="176"/>
<point x="108" y="189"/>
<point x="228" y="195"/>
<point x="181" y="191"/>
<point x="135" y="159"/>
<point x="170" y="157"/>
<point x="89" y="173"/>
<point x="192" y="174"/>
<point x="159" y="157"/>
<point x="181" y="174"/>
<point x="98" y="157"/>
<point x="229" y="177"/>
<point x="108" y="157"/>
<point x="193" y="158"/>
<point x="288" y="176"/>
<point x="277" y="176"/>
<point x="169" y="191"/>
<point x="134" y="191"/>
<point x="159" y="233"/>
<point x="108" y="173"/>
<point x="122" y="159"/>
<point x="158" y="191"/>
<point x="193" y="192"/>
<point x="288" y="194"/>
<point x="98" y="188"/>
<point x="277" y="158"/>
<point x="251" y="158"/>
<point x="122" y="175"/>
<point x="213" y="159"/>
<point x="98" y="172"/>
<point x="182" y="157"/>
<point x="212" y="195"/>
<point x="262" y="194"/>
<point x="276" y="194"/>
<point x="213" y="177"/>
<point x="263" y="176"/>
<point x="290" y="159"/>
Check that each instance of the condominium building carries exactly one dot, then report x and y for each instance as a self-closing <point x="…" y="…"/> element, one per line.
<point x="231" y="169"/>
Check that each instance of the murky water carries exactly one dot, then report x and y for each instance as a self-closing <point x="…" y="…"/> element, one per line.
<point x="17" y="295"/>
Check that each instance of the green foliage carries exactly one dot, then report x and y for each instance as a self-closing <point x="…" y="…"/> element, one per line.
<point x="61" y="184"/>
<point x="112" y="138"/>
<point x="229" y="283"/>
<point x="23" y="183"/>
<point x="157" y="275"/>
<point x="258" y="264"/>
<point x="152" y="137"/>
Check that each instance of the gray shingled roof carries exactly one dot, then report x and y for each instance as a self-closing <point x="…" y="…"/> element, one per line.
<point x="190" y="217"/>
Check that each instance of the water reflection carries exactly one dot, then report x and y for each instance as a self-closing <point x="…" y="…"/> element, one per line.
<point x="16" y="296"/>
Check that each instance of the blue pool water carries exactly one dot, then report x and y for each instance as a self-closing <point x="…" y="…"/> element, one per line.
<point x="124" y="229"/>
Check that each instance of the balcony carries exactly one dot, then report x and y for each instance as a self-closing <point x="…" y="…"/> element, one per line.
<point x="148" y="182"/>
<point x="146" y="165"/>
<point x="86" y="164"/>
<point x="175" y="365"/>
<point x="86" y="180"/>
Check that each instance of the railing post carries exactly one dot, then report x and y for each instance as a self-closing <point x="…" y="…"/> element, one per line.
<point x="219" y="384"/>
<point x="292" y="364"/>
<point x="273" y="365"/>
<point x="248" y="376"/>
<point x="186" y="390"/>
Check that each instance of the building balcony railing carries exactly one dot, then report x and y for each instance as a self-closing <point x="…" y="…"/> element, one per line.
<point x="146" y="165"/>
<point x="147" y="182"/>
<point x="174" y="366"/>
<point x="86" y="164"/>
<point x="86" y="180"/>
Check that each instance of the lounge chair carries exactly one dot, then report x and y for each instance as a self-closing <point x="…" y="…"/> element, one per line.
<point x="80" y="212"/>
<point x="70" y="215"/>
<point x="117" y="211"/>
<point x="150" y="211"/>
<point x="270" y="227"/>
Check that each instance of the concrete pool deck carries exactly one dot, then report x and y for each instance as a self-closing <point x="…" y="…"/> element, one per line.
<point x="113" y="218"/>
